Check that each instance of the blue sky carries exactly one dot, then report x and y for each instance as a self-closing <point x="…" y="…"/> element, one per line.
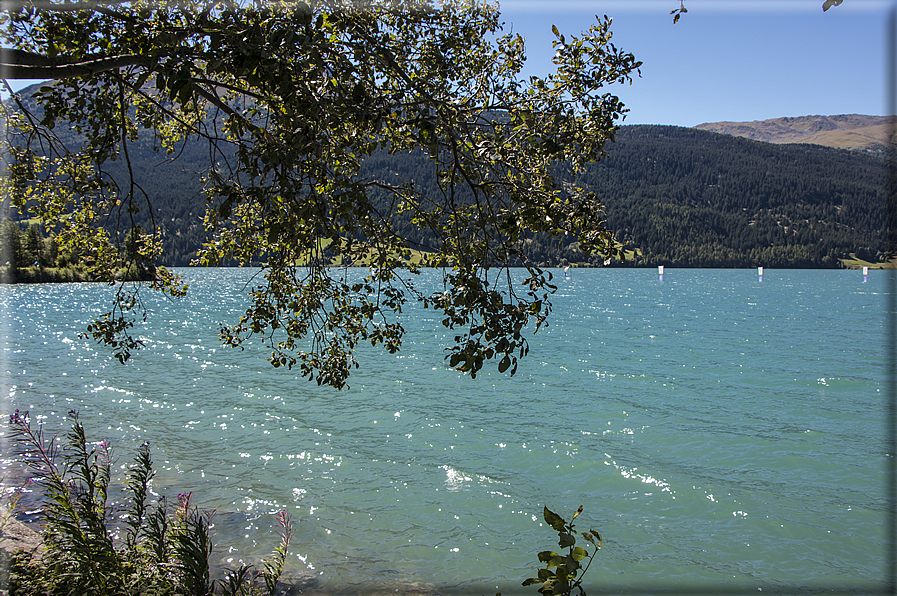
<point x="736" y="60"/>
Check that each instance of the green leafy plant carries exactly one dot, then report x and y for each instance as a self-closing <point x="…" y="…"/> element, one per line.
<point x="568" y="569"/>
<point x="8" y="510"/>
<point x="162" y="551"/>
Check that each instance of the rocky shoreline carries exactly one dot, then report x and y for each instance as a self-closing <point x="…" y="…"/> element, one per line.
<point x="14" y="537"/>
<point x="17" y="536"/>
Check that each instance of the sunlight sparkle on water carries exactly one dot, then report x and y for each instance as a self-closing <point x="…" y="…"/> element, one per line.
<point x="711" y="412"/>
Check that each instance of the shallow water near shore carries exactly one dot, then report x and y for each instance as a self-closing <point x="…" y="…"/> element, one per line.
<point x="723" y="433"/>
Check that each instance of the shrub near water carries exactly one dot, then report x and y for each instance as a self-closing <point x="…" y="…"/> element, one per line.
<point x="568" y="571"/>
<point x="165" y="549"/>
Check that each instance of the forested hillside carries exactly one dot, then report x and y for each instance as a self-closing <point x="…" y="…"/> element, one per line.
<point x="692" y="198"/>
<point x="678" y="196"/>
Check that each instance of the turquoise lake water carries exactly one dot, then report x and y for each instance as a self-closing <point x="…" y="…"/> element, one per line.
<point x="723" y="433"/>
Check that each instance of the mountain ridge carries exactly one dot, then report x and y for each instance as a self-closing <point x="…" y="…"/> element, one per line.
<point x="856" y="132"/>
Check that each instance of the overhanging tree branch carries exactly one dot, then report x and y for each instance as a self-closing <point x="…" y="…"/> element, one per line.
<point x="289" y="104"/>
<point x="19" y="64"/>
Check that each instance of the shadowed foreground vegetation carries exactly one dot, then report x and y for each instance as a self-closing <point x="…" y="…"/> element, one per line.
<point x="157" y="547"/>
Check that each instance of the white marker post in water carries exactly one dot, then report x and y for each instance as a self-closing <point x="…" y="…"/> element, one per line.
<point x="760" y="273"/>
<point x="660" y="272"/>
<point x="865" y="274"/>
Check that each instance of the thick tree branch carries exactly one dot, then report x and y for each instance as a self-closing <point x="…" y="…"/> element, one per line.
<point x="18" y="64"/>
<point x="12" y="5"/>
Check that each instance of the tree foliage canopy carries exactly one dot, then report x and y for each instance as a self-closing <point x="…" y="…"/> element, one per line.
<point x="289" y="99"/>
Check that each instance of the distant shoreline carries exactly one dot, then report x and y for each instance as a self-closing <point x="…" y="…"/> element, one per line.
<point x="40" y="275"/>
<point x="34" y="275"/>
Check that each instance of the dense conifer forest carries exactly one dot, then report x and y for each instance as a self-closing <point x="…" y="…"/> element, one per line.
<point x="674" y="196"/>
<point x="689" y="198"/>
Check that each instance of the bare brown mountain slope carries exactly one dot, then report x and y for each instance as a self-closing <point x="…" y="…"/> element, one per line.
<point x="849" y="131"/>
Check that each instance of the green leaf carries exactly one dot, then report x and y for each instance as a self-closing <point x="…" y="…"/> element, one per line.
<point x="358" y="92"/>
<point x="225" y="209"/>
<point x="545" y="575"/>
<point x="554" y="520"/>
<point x="579" y="553"/>
<point x="274" y="232"/>
<point x="504" y="364"/>
<point x="547" y="555"/>
<point x="562" y="586"/>
<point x="565" y="540"/>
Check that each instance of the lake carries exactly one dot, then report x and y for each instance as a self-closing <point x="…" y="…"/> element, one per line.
<point x="723" y="433"/>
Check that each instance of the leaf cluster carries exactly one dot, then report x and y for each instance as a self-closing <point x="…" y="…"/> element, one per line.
<point x="568" y="571"/>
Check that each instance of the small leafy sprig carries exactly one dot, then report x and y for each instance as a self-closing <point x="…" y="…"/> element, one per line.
<point x="274" y="568"/>
<point x="568" y="571"/>
<point x="678" y="12"/>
